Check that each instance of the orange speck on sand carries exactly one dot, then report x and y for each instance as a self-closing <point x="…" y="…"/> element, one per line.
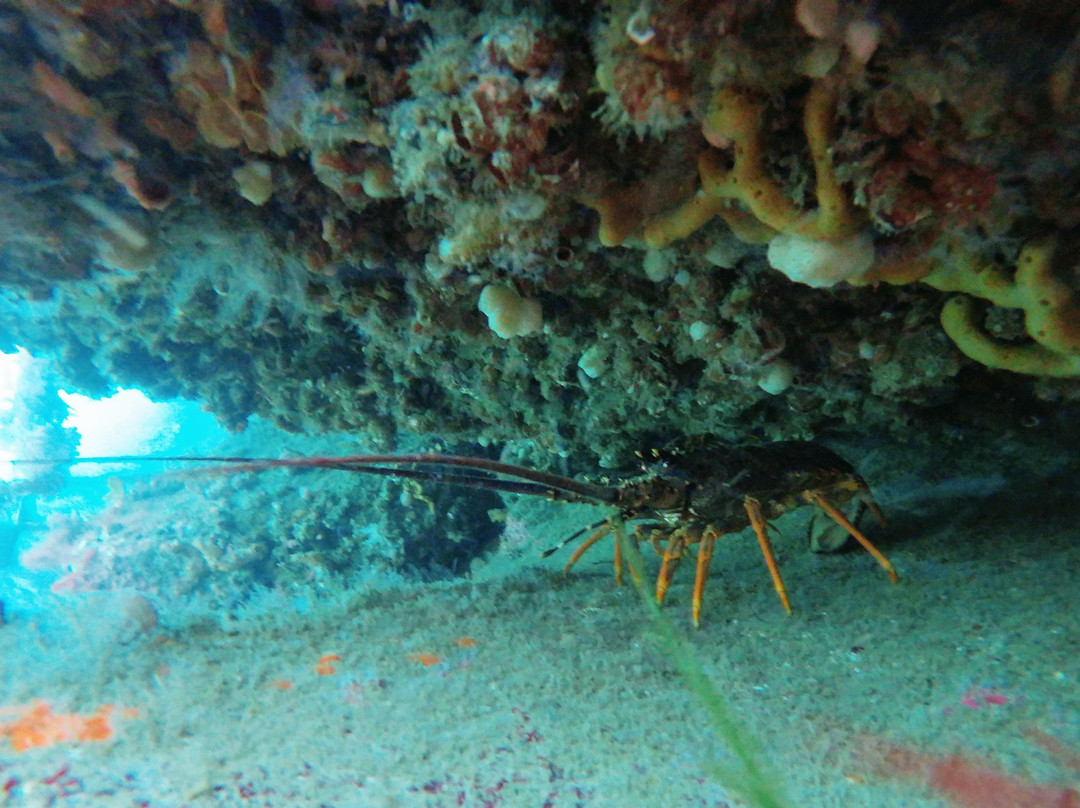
<point x="37" y="725"/>
<point x="465" y="642"/>
<point x="282" y="684"/>
<point x="325" y="668"/>
<point x="426" y="658"/>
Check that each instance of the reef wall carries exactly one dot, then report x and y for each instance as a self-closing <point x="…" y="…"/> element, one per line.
<point x="593" y="225"/>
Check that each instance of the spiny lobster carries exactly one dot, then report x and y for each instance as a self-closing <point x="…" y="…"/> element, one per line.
<point x="691" y="497"/>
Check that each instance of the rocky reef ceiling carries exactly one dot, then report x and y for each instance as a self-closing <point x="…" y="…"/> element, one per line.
<point x="587" y="224"/>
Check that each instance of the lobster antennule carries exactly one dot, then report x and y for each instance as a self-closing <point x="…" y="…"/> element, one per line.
<point x="523" y="480"/>
<point x="587" y="492"/>
<point x="466" y="481"/>
<point x="577" y="534"/>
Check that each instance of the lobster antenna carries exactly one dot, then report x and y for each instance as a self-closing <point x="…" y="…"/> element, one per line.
<point x="524" y="480"/>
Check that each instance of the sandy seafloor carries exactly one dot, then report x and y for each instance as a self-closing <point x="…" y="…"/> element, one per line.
<point x="958" y="687"/>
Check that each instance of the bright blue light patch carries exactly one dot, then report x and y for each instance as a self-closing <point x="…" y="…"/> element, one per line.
<point x="126" y="422"/>
<point x="11" y="367"/>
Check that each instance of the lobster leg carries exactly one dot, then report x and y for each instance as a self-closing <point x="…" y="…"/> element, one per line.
<point x="837" y="516"/>
<point x="618" y="559"/>
<point x="673" y="554"/>
<point x="708" y="538"/>
<point x="757" y="521"/>
<point x="617" y="524"/>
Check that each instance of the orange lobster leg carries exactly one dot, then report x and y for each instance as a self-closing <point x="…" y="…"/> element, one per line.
<point x="837" y="516"/>
<point x="585" y="545"/>
<point x="704" y="556"/>
<point x="757" y="521"/>
<point x="672" y="556"/>
<point x="618" y="560"/>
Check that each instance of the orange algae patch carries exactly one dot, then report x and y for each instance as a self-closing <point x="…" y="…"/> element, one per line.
<point x="967" y="784"/>
<point x="426" y="658"/>
<point x="37" y="725"/>
<point x="465" y="642"/>
<point x="1056" y="748"/>
<point x="282" y="684"/>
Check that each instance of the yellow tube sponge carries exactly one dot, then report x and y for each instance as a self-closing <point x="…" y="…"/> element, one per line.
<point x="620" y="214"/>
<point x="682" y="221"/>
<point x="1051" y="313"/>
<point x="735" y="117"/>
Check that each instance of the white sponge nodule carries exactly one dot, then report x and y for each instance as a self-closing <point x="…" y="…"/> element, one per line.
<point x="821" y="263"/>
<point x="509" y="314"/>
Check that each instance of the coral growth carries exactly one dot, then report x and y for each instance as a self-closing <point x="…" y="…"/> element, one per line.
<point x="651" y="59"/>
<point x="225" y="98"/>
